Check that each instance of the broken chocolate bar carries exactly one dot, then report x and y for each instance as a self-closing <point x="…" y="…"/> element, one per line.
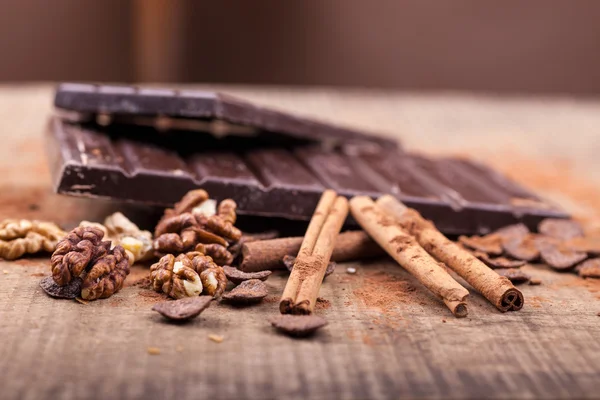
<point x="199" y="105"/>
<point x="140" y="165"/>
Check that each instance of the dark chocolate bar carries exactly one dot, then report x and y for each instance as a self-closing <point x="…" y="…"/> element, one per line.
<point x="192" y="104"/>
<point x="139" y="165"/>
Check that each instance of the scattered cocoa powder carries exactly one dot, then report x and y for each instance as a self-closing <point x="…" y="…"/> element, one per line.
<point x="536" y="301"/>
<point x="384" y="291"/>
<point x="151" y="296"/>
<point x="139" y="275"/>
<point x="271" y="299"/>
<point x="556" y="179"/>
<point x="322" y="304"/>
<point x="143" y="283"/>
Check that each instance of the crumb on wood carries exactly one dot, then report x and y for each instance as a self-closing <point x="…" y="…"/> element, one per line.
<point x="215" y="338"/>
<point x="535" y="281"/>
<point x="5" y="271"/>
<point x="82" y="301"/>
<point x="444" y="321"/>
<point x="153" y="351"/>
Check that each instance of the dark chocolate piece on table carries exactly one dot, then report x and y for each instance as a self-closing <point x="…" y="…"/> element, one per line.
<point x="248" y="292"/>
<point x="563" y="229"/>
<point x="589" y="268"/>
<point x="69" y="291"/>
<point x="298" y="325"/>
<point x="203" y="105"/>
<point x="490" y="244"/>
<point x="522" y="248"/>
<point x="515" y="275"/>
<point x="183" y="309"/>
<point x="559" y="258"/>
<point x="498" y="262"/>
<point x="237" y="276"/>
<point x="275" y="181"/>
<point x="513" y="231"/>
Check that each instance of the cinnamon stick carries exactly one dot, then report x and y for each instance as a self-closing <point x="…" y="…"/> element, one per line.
<point x="497" y="289"/>
<point x="409" y="254"/>
<point x="302" y="288"/>
<point x="268" y="254"/>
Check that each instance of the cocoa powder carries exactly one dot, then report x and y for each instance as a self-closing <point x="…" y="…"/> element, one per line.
<point x="384" y="291"/>
<point x="322" y="304"/>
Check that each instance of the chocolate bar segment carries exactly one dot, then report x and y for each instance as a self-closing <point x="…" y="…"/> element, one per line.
<point x="203" y="105"/>
<point x="137" y="166"/>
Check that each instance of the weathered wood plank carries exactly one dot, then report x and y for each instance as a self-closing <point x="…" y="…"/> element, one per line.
<point x="413" y="348"/>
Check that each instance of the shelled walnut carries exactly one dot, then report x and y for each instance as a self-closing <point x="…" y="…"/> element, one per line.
<point x="83" y="254"/>
<point x="20" y="237"/>
<point x="175" y="278"/>
<point x="121" y="231"/>
<point x="197" y="220"/>
<point x="212" y="276"/>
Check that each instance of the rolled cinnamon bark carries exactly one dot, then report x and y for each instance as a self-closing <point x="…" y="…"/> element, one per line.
<point x="268" y="254"/>
<point x="497" y="289"/>
<point x="409" y="254"/>
<point x="304" y="282"/>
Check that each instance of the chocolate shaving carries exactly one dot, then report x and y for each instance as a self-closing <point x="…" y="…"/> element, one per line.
<point x="556" y="257"/>
<point x="490" y="244"/>
<point x="512" y="231"/>
<point x="289" y="261"/>
<point x="589" y="268"/>
<point x="560" y="228"/>
<point x="587" y="244"/>
<point x="522" y="247"/>
<point x="236" y="276"/>
<point x="69" y="291"/>
<point x="183" y="309"/>
<point x="248" y="292"/>
<point x="498" y="262"/>
<point x="298" y="325"/>
<point x="515" y="275"/>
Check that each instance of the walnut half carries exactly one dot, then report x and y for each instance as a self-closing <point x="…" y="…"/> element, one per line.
<point x="175" y="278"/>
<point x="83" y="254"/>
<point x="20" y="237"/>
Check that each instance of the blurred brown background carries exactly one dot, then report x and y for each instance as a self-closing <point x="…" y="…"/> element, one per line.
<point x="537" y="46"/>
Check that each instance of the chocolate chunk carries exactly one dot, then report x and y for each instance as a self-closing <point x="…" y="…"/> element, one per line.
<point x="183" y="309"/>
<point x="266" y="178"/>
<point x="489" y="244"/>
<point x="247" y="292"/>
<point x="589" y="268"/>
<point x="203" y="105"/>
<point x="288" y="261"/>
<point x="586" y="244"/>
<point x="522" y="247"/>
<point x="513" y="231"/>
<point x="560" y="228"/>
<point x="561" y="259"/>
<point x="69" y="291"/>
<point x="498" y="262"/>
<point x="515" y="275"/>
<point x="236" y="276"/>
<point x="298" y="325"/>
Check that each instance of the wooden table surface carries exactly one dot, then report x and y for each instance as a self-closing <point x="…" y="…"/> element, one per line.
<point x="406" y="345"/>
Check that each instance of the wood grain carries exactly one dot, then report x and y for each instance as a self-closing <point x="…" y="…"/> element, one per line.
<point x="413" y="348"/>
